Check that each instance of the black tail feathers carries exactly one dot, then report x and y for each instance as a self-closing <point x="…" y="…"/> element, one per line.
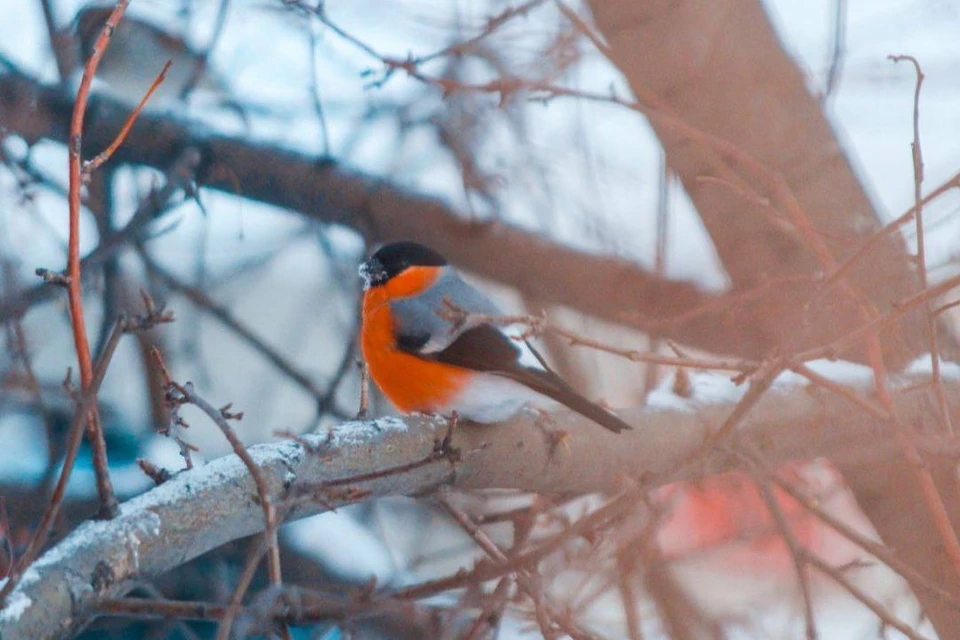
<point x="553" y="386"/>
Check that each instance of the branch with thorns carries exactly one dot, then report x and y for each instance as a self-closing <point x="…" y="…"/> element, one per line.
<point x="177" y="395"/>
<point x="85" y="400"/>
<point x="537" y="325"/>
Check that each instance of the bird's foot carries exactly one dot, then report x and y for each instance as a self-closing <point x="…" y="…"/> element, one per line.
<point x="445" y="446"/>
<point x="364" y="389"/>
<point x="554" y="435"/>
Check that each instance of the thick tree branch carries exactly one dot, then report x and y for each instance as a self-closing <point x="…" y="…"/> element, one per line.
<point x="330" y="192"/>
<point x="202" y="509"/>
<point x="719" y="68"/>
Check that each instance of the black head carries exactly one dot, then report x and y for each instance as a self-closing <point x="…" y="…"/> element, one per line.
<point x="394" y="258"/>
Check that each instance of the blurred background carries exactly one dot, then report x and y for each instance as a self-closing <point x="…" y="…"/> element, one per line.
<point x="266" y="299"/>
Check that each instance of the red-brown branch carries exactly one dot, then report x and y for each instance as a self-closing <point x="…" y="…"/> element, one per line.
<point x="92" y="165"/>
<point x="108" y="501"/>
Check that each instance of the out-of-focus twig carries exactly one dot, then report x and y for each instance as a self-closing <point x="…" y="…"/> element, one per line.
<point x="932" y="325"/>
<point x="838" y="49"/>
<point x="222" y="314"/>
<point x="72" y="447"/>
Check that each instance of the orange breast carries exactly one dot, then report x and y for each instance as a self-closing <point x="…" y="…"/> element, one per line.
<point x="409" y="382"/>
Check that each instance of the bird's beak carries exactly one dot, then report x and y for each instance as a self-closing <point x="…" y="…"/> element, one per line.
<point x="373" y="273"/>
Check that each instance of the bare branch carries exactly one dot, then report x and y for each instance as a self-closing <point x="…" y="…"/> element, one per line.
<point x="326" y="190"/>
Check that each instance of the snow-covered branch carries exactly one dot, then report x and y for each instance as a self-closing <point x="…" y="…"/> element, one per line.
<point x="202" y="509"/>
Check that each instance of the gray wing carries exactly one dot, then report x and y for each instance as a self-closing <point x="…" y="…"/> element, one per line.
<point x="422" y="323"/>
<point x="487" y="349"/>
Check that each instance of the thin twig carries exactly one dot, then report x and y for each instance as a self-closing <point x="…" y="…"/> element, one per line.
<point x="655" y="338"/>
<point x="629" y="593"/>
<point x="22" y="352"/>
<point x="760" y="382"/>
<point x="254" y="553"/>
<point x="932" y="328"/>
<point x="325" y="405"/>
<point x="615" y="509"/>
<point x="203" y="301"/>
<point x="887" y="230"/>
<point x="74" y="436"/>
<point x="200" y="62"/>
<point x="880" y="551"/>
<point x="315" y="88"/>
<point x="364" y="389"/>
<point x="108" y="500"/>
<point x="527" y="578"/>
<point x="157" y="608"/>
<point x="536" y="325"/>
<point x="60" y="43"/>
<point x="92" y="165"/>
<point x="441" y="451"/>
<point x="6" y="532"/>
<point x="842" y="390"/>
<point x="859" y="594"/>
<point x="797" y="557"/>
<point x="180" y="173"/>
<point x="581" y="26"/>
<point x="459" y="48"/>
<point x="184" y="394"/>
<point x="493" y="24"/>
<point x="312" y="608"/>
<point x="902" y="307"/>
<point x="489" y="617"/>
<point x="838" y="50"/>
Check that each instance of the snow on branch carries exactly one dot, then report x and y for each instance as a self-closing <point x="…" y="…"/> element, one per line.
<point x="201" y="509"/>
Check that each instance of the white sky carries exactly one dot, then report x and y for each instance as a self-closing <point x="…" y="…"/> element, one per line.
<point x="586" y="173"/>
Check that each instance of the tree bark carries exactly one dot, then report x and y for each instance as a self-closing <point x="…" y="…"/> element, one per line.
<point x="717" y="65"/>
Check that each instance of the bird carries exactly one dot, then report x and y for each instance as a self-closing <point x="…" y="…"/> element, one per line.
<point x="425" y="359"/>
<point x="137" y="52"/>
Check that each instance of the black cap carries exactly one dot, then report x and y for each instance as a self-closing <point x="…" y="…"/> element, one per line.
<point x="394" y="258"/>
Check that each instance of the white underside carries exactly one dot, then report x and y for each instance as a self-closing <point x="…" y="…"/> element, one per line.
<point x="491" y="398"/>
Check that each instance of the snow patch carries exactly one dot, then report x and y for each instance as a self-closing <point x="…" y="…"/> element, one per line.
<point x="134" y="543"/>
<point x="29" y="577"/>
<point x="150" y="524"/>
<point x="164" y="452"/>
<point x="93" y="534"/>
<point x="841" y="371"/>
<point x="209" y="476"/>
<point x="362" y="431"/>
<point x="705" y="388"/>
<point x="924" y="366"/>
<point x="18" y="601"/>
<point x="17" y="604"/>
<point x="664" y="399"/>
<point x="708" y="388"/>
